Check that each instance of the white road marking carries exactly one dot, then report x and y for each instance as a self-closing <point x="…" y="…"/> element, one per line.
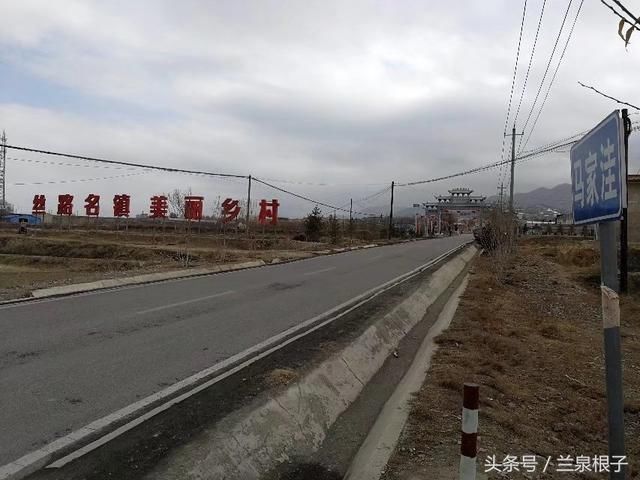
<point x="320" y="271"/>
<point x="171" y="305"/>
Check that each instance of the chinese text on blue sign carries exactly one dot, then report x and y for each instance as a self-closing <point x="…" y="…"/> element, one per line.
<point x="597" y="173"/>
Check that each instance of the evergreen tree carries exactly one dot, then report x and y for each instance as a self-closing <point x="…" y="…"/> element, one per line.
<point x="313" y="224"/>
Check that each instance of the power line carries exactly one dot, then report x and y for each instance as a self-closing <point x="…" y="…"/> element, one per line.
<point x="513" y="79"/>
<point x="117" y="162"/>
<point x="533" y="51"/>
<point x="552" y="147"/>
<point x="618" y="14"/>
<point x="564" y="50"/>
<point x="147" y="169"/>
<point x="66" y="164"/>
<point x="79" y="180"/>
<point x="302" y="197"/>
<point x="322" y="184"/>
<point x="546" y="70"/>
<point x="486" y="167"/>
<point x="374" y="195"/>
<point x="371" y="197"/>
<point x="368" y="197"/>
<point x="626" y="10"/>
<point x="549" y="145"/>
<point x="607" y="96"/>
<point x="154" y="167"/>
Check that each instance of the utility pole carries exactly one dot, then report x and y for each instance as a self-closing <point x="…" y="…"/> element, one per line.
<point x="391" y="211"/>
<point x="3" y="171"/>
<point x="350" y="220"/>
<point x="501" y="188"/>
<point x="513" y="165"/>
<point x="248" y="205"/>
<point x="624" y="240"/>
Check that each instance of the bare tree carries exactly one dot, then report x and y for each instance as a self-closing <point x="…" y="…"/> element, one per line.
<point x="498" y="238"/>
<point x="176" y="201"/>
<point x="216" y="209"/>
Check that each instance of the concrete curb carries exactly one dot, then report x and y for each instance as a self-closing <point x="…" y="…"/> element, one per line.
<point x="147" y="278"/>
<point x="296" y="421"/>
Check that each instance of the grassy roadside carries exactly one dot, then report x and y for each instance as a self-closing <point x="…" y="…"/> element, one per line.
<point x="533" y="341"/>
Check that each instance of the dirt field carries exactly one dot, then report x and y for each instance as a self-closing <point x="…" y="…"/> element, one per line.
<point x="50" y="257"/>
<point x="533" y="341"/>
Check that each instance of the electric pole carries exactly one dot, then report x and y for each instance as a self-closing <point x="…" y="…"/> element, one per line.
<point x="248" y="213"/>
<point x="501" y="188"/>
<point x="513" y="165"/>
<point x="351" y="221"/>
<point x="3" y="171"/>
<point x="391" y="211"/>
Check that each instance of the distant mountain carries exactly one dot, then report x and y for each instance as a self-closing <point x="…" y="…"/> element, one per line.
<point x="556" y="198"/>
<point x="398" y="211"/>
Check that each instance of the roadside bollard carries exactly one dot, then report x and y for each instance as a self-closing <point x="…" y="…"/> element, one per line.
<point x="469" y="444"/>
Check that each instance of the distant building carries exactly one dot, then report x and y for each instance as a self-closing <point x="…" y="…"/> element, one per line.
<point x="461" y="197"/>
<point x="460" y="210"/>
<point x="16" y="218"/>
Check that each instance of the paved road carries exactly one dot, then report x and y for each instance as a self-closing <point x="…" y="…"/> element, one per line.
<point x="67" y="361"/>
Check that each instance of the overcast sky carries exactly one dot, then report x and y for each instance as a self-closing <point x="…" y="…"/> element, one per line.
<point x="353" y="94"/>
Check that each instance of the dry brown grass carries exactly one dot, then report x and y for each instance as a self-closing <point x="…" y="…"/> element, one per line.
<point x="44" y="258"/>
<point x="280" y="377"/>
<point x="534" y="344"/>
<point x="50" y="256"/>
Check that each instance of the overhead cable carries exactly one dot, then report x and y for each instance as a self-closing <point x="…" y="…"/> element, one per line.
<point x="564" y="50"/>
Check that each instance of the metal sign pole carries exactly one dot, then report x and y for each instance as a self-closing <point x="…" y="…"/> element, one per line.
<point x="613" y="368"/>
<point x="608" y="255"/>
<point x="598" y="181"/>
<point x="612" y="348"/>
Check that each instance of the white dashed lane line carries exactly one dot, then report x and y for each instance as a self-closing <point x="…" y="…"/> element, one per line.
<point x="186" y="302"/>
<point x="315" y="272"/>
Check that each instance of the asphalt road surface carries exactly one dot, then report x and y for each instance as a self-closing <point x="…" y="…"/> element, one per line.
<point x="65" y="362"/>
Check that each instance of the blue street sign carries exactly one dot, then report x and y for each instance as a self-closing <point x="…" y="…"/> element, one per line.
<point x="597" y="173"/>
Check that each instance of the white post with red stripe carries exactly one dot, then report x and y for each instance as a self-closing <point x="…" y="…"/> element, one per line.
<point x="469" y="444"/>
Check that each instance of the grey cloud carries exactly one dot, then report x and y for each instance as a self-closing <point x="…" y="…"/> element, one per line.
<point x="342" y="92"/>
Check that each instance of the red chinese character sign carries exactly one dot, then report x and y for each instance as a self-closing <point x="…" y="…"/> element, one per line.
<point x="230" y="210"/>
<point x="193" y="207"/>
<point x="65" y="204"/>
<point x="268" y="212"/>
<point x="39" y="202"/>
<point x="92" y="205"/>
<point x="159" y="207"/>
<point x="121" y="205"/>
